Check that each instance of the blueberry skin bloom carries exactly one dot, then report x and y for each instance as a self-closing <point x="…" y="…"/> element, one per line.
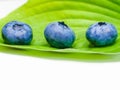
<point x="17" y="33"/>
<point x="59" y="35"/>
<point x="101" y="34"/>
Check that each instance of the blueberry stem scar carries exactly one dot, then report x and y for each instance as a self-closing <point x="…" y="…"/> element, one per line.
<point x="101" y="23"/>
<point x="17" y="27"/>
<point x="62" y="23"/>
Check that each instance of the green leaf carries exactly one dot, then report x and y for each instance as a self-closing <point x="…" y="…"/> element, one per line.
<point x="78" y="14"/>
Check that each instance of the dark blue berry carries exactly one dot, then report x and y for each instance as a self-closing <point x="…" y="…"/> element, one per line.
<point x="59" y="35"/>
<point x="101" y="34"/>
<point x="17" y="33"/>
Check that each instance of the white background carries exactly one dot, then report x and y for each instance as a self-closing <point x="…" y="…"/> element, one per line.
<point x="28" y="73"/>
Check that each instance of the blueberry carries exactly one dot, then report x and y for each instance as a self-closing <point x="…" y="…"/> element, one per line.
<point x="102" y="34"/>
<point x="17" y="33"/>
<point x="59" y="35"/>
